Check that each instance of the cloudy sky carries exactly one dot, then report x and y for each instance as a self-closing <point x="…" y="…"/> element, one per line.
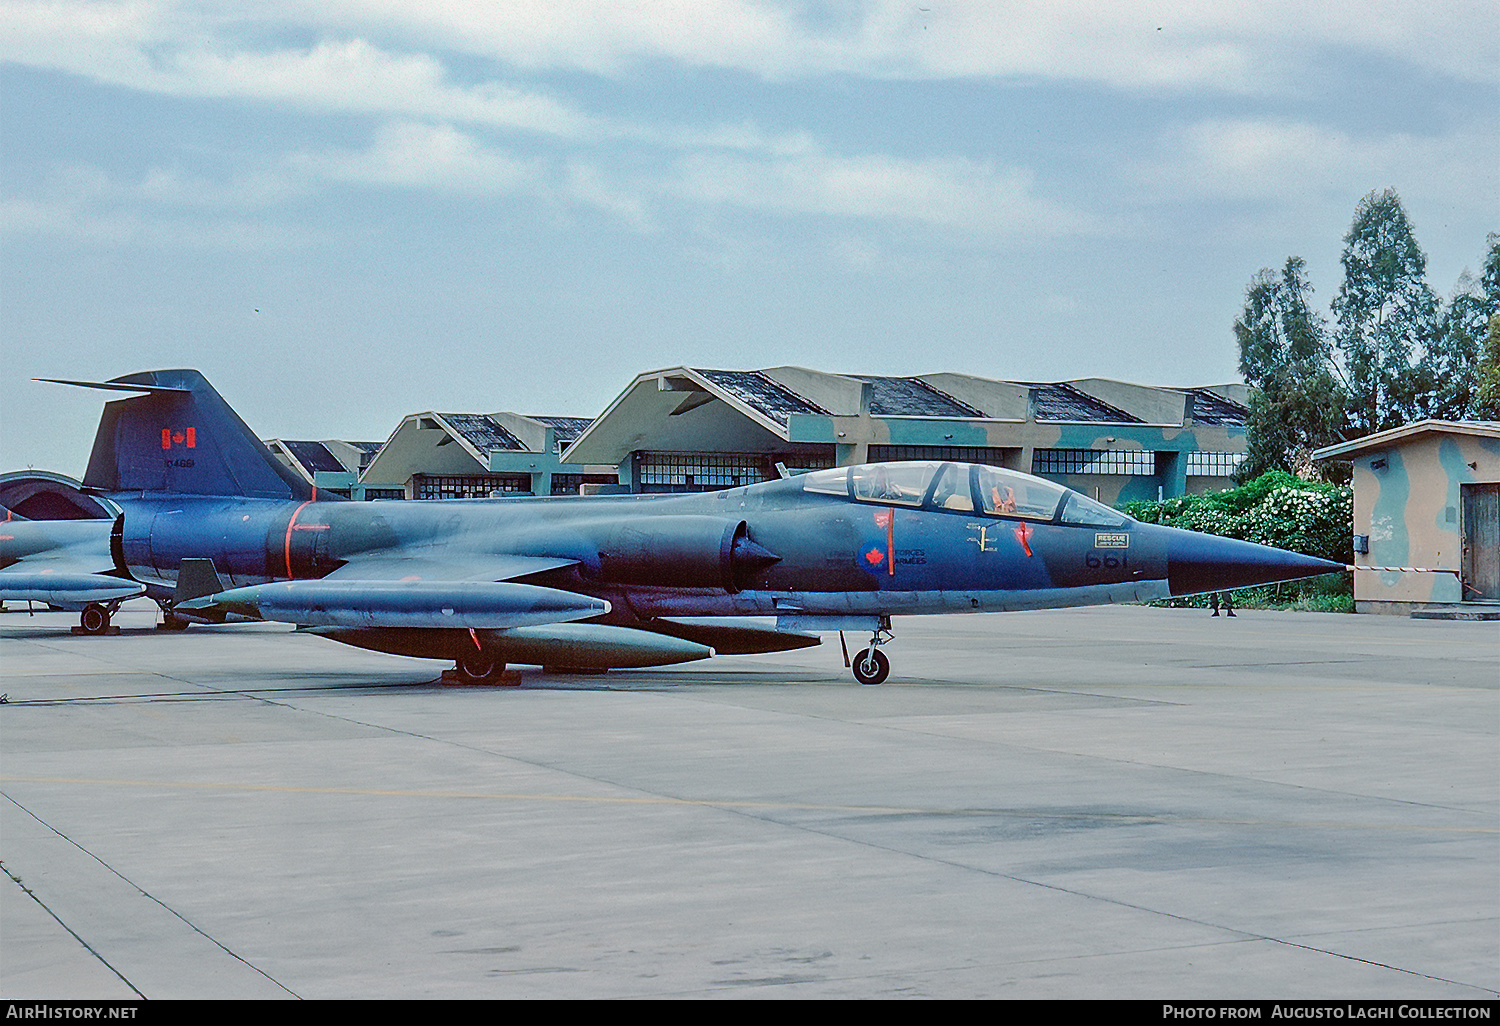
<point x="347" y="211"/>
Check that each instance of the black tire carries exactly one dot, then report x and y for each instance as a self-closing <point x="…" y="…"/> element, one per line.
<point x="174" y="623"/>
<point x="478" y="667"/>
<point x="871" y="667"/>
<point x="95" y="619"/>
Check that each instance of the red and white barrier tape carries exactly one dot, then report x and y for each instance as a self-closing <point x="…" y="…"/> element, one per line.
<point x="1405" y="569"/>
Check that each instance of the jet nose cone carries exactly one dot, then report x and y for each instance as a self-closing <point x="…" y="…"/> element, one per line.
<point x="1198" y="562"/>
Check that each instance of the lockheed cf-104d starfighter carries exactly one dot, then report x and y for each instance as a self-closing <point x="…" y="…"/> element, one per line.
<point x="216" y="529"/>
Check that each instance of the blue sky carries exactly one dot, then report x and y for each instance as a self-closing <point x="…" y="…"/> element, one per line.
<point x="348" y="211"/>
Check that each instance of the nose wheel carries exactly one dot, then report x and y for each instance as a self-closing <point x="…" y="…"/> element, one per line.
<point x="870" y="665"/>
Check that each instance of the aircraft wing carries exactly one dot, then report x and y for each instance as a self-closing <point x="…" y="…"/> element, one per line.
<point x="408" y="565"/>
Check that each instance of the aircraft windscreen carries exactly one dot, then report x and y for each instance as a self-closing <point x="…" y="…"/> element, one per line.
<point x="827" y="482"/>
<point x="952" y="488"/>
<point x="1007" y="493"/>
<point x="904" y="484"/>
<point x="1087" y="512"/>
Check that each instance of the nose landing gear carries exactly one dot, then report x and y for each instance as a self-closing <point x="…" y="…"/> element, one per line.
<point x="870" y="665"/>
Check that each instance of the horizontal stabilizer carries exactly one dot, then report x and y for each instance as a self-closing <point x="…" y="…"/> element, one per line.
<point x="460" y="604"/>
<point x="116" y="386"/>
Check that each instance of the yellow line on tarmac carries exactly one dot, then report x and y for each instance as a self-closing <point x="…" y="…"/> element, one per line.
<point x="1123" y="818"/>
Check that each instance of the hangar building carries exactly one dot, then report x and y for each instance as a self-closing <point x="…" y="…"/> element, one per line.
<point x="472" y="455"/>
<point x="696" y="429"/>
<point x="1425" y="495"/>
<point x="331" y="464"/>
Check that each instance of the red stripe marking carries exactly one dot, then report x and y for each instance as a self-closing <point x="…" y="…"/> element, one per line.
<point x="287" y="551"/>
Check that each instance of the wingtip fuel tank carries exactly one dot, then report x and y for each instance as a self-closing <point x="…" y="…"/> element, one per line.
<point x="417" y="604"/>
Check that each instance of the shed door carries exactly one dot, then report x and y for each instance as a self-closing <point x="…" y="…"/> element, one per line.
<point x="1481" y="562"/>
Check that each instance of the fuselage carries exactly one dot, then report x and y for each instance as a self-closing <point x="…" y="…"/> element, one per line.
<point x="877" y="539"/>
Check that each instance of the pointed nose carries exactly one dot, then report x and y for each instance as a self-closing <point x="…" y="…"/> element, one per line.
<point x="1198" y="562"/>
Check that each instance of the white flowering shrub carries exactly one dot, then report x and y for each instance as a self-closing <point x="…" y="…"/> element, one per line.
<point x="1275" y="509"/>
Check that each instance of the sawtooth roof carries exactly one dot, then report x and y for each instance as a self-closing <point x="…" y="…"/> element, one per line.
<point x="482" y="433"/>
<point x="768" y="398"/>
<point x="913" y="397"/>
<point x="1062" y="402"/>
<point x="1211" y="408"/>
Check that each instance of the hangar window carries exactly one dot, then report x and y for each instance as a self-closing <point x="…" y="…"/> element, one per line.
<point x="991" y="455"/>
<point x="698" y="472"/>
<point x="471" y="487"/>
<point x="1139" y="462"/>
<point x="1214" y="464"/>
<point x="569" y="484"/>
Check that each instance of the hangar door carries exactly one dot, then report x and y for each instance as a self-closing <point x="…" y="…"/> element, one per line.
<point x="1481" y="562"/>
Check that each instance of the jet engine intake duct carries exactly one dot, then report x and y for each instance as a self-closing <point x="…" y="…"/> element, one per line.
<point x="682" y="552"/>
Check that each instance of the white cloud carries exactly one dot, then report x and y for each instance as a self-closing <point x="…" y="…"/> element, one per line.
<point x="1233" y="44"/>
<point x="972" y="197"/>
<point x="1280" y="160"/>
<point x="424" y="156"/>
<point x="198" y="48"/>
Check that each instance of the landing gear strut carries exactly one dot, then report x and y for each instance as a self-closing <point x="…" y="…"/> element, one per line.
<point x="170" y="621"/>
<point x="871" y="666"/>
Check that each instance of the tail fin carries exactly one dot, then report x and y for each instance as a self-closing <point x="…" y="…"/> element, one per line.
<point x="180" y="437"/>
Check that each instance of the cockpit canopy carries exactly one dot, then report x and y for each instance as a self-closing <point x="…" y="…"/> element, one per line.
<point x="964" y="488"/>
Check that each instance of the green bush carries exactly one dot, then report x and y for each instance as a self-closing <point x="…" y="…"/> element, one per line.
<point x="1277" y="509"/>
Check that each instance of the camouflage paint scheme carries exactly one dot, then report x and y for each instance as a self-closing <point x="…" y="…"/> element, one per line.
<point x="609" y="580"/>
<point x="855" y="435"/>
<point x="807" y="419"/>
<point x="1408" y="486"/>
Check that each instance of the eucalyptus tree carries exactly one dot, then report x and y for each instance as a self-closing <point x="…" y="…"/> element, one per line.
<point x="1297" y="400"/>
<point x="1387" y="316"/>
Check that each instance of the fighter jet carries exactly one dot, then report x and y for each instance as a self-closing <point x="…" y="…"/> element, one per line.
<point x="66" y="564"/>
<point x="216" y="528"/>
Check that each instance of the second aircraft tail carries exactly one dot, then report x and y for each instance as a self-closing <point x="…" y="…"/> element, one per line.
<point x="177" y="436"/>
